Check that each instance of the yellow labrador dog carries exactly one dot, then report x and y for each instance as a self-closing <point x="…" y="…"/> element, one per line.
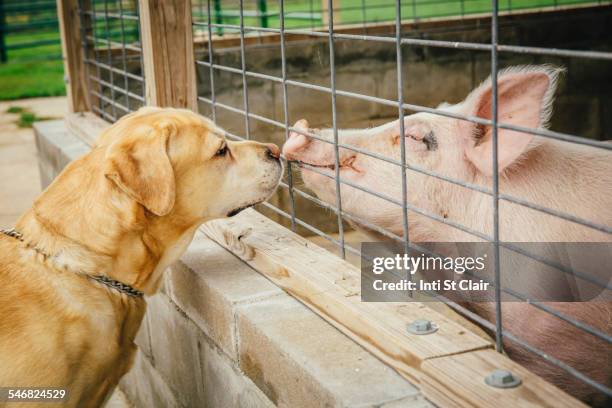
<point x="74" y="270"/>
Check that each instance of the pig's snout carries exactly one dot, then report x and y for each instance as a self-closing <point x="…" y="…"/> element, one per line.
<point x="296" y="142"/>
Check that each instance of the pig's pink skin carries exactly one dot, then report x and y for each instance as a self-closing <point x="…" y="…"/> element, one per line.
<point x="562" y="176"/>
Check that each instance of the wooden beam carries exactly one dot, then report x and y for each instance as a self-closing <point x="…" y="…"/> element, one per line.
<point x="325" y="12"/>
<point x="167" y="50"/>
<point x="449" y="365"/>
<point x="331" y="288"/>
<point x="458" y="381"/>
<point x="75" y="70"/>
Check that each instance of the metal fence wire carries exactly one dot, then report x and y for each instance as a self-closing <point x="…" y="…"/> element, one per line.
<point x="242" y="28"/>
<point x="231" y="36"/>
<point x="110" y="30"/>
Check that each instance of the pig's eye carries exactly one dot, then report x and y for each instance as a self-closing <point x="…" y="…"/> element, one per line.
<point x="430" y="141"/>
<point x="222" y="151"/>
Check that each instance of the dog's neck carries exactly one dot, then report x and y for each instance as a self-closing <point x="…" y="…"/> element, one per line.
<point x="86" y="225"/>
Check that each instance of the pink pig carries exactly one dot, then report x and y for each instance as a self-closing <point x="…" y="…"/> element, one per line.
<point x="566" y="177"/>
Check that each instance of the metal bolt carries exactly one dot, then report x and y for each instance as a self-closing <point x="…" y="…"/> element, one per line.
<point x="422" y="326"/>
<point x="502" y="379"/>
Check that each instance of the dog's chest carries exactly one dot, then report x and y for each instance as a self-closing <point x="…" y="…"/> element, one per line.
<point x="106" y="330"/>
<point x="110" y="343"/>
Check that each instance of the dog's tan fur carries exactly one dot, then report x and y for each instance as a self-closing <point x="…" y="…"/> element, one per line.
<point x="125" y="210"/>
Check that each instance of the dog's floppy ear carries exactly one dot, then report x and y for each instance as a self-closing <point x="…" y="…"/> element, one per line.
<point x="139" y="165"/>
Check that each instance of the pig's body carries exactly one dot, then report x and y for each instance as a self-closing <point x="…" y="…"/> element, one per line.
<point x="570" y="178"/>
<point x="565" y="177"/>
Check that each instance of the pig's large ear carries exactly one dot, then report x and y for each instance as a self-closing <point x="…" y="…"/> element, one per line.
<point x="525" y="96"/>
<point x="139" y="165"/>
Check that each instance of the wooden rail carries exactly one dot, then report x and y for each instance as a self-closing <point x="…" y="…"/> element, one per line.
<point x="449" y="365"/>
<point x="458" y="381"/>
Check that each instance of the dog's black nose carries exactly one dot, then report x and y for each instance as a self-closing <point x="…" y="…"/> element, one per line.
<point x="272" y="151"/>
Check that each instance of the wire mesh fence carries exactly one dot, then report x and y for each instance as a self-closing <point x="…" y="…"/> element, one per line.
<point x="262" y="66"/>
<point x="112" y="51"/>
<point x="315" y="13"/>
<point x="310" y="70"/>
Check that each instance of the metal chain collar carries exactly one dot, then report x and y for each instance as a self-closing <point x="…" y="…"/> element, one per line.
<point x="112" y="283"/>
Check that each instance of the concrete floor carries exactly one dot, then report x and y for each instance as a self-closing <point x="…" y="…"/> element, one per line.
<point x="19" y="178"/>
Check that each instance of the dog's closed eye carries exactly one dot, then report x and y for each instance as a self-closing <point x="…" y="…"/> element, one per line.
<point x="222" y="151"/>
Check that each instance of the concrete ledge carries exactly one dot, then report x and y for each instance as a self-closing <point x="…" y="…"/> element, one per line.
<point x="208" y="284"/>
<point x="288" y="352"/>
<point x="56" y="148"/>
<point x="292" y="355"/>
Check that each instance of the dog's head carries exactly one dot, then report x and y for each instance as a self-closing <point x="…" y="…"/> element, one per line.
<point x="176" y="163"/>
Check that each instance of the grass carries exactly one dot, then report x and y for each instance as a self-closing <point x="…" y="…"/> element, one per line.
<point x="35" y="72"/>
<point x="31" y="79"/>
<point x="15" y="109"/>
<point x="32" y="72"/>
<point x="26" y="117"/>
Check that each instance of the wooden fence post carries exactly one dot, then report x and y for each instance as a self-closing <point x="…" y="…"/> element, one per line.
<point x="167" y="53"/>
<point x="75" y="70"/>
<point x="325" y="12"/>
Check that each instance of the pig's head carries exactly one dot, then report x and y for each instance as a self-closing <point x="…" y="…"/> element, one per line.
<point x="443" y="145"/>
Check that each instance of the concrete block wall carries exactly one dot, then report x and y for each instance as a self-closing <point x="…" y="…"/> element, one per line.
<point x="220" y="335"/>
